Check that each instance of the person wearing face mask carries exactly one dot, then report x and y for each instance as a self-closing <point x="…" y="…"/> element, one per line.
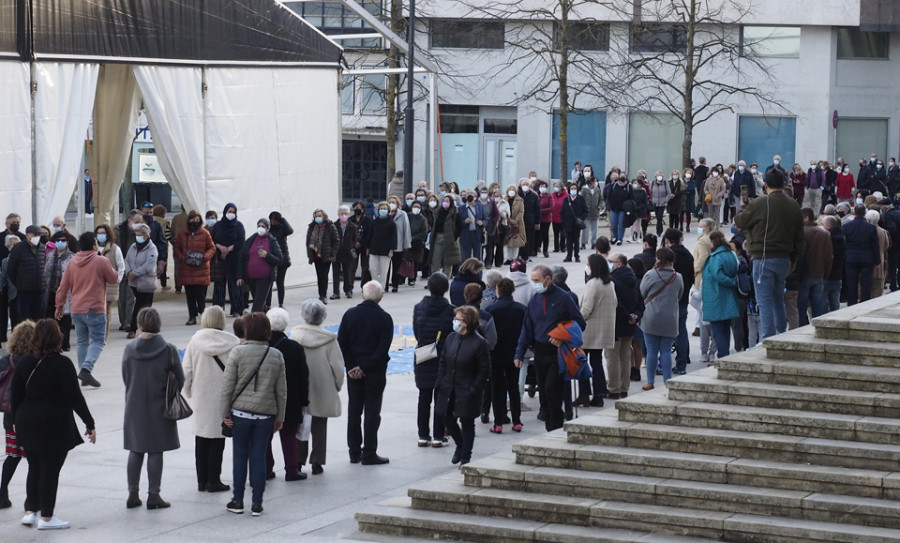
<point x="549" y="307"/>
<point x="193" y="250"/>
<point x="176" y="226"/>
<point x="675" y="205"/>
<point x="661" y="287"/>
<point x="228" y="235"/>
<point x="280" y="230"/>
<point x="702" y="249"/>
<point x="13" y="222"/>
<point x="260" y="258"/>
<point x="363" y="223"/>
<point x="532" y="218"/>
<point x="445" y="253"/>
<point x="690" y="199"/>
<point x="418" y="233"/>
<point x="878" y="181"/>
<point x="660" y="194"/>
<point x="472" y="216"/>
<point x="346" y="257"/>
<point x="54" y="267"/>
<point x="403" y="241"/>
<point x="799" y="180"/>
<point x="25" y="271"/>
<point x="815" y="186"/>
<point x="845" y="185"/>
<point x="382" y="240"/>
<point x="636" y="212"/>
<point x="125" y="235"/>
<point x="593" y="198"/>
<point x="407" y="202"/>
<point x="577" y="176"/>
<point x="617" y="194"/>
<point x="559" y="196"/>
<point x="776" y="165"/>
<point x="742" y="183"/>
<point x="714" y="193"/>
<point x="629" y="308"/>
<point x="893" y="179"/>
<point x="496" y="253"/>
<point x="573" y="215"/>
<point x="491" y="224"/>
<point x="516" y="238"/>
<point x="140" y="269"/>
<point x="108" y="247"/>
<point x="322" y="244"/>
<point x="547" y="205"/>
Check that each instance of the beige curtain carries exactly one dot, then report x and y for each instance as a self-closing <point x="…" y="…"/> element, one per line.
<point x="115" y="118"/>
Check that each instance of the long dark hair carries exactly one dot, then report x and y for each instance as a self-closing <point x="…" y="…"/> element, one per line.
<point x="47" y="338"/>
<point x="599" y="268"/>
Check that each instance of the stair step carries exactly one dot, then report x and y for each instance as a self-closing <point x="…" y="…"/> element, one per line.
<point x="703" y="386"/>
<point x="747" y="366"/>
<point x="876" y="321"/>
<point x="500" y="471"/>
<point x="661" y="410"/>
<point x="398" y="518"/>
<point x="754" y="445"/>
<point x="802" y="344"/>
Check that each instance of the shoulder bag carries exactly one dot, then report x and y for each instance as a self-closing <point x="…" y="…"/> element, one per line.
<point x="177" y="407"/>
<point x="427" y="352"/>
<point x="193" y="258"/>
<point x="227" y="431"/>
<point x="662" y="288"/>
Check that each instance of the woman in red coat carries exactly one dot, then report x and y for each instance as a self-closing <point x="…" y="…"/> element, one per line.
<point x="559" y="235"/>
<point x="845" y="185"/>
<point x="193" y="249"/>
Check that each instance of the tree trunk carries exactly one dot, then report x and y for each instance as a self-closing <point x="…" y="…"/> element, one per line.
<point x="687" y="117"/>
<point x="563" y="32"/>
<point x="392" y="93"/>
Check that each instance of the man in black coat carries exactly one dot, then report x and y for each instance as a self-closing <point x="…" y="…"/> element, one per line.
<point x="432" y="317"/>
<point x="532" y="219"/>
<point x="648" y="255"/>
<point x="365" y="336"/>
<point x="629" y="310"/>
<point x="891" y="217"/>
<point x="838" y="248"/>
<point x="863" y="254"/>
<point x="684" y="264"/>
<point x="701" y="172"/>
<point x="12" y="229"/>
<point x="363" y="232"/>
<point x="26" y="271"/>
<point x="508" y="317"/>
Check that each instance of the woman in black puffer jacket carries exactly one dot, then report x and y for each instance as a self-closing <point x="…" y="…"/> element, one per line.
<point x="432" y="316"/>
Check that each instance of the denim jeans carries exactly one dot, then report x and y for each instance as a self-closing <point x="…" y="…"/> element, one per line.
<point x="832" y="294"/>
<point x="659" y="349"/>
<point x="682" y="344"/>
<point x="721" y="331"/>
<point x="90" y="336"/>
<point x="770" y="274"/>
<point x="617" y="224"/>
<point x="811" y="292"/>
<point x="250" y="441"/>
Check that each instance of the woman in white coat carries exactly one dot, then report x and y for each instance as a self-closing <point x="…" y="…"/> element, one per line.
<point x="598" y="306"/>
<point x="203" y="385"/>
<point x="326" y="377"/>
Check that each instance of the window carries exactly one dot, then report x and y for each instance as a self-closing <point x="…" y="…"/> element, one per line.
<point x="467" y="34"/>
<point x="761" y="138"/>
<point x="586" y="142"/>
<point x="333" y="18"/>
<point x="588" y="36"/>
<point x="372" y="100"/>
<point x="658" y="38"/>
<point x="854" y="43"/>
<point x="771" y="41"/>
<point x="348" y="96"/>
<point x="500" y="126"/>
<point x="858" y="138"/>
<point x="654" y="143"/>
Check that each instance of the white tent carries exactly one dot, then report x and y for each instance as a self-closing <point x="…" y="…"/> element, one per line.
<point x="242" y="99"/>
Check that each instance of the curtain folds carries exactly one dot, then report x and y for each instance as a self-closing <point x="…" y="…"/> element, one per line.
<point x="15" y="139"/>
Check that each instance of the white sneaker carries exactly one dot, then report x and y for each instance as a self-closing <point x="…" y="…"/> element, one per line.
<point x="52" y="524"/>
<point x="29" y="519"/>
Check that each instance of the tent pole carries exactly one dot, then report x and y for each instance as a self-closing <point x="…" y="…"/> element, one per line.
<point x="409" y="113"/>
<point x="34" y="184"/>
<point x="432" y="124"/>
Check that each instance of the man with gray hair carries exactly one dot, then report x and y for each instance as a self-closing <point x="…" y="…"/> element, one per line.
<point x="549" y="307"/>
<point x="843" y="213"/>
<point x="365" y="336"/>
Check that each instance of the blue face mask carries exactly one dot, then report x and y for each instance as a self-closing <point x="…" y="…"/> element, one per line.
<point x="210" y="222"/>
<point x="319" y="220"/>
<point x="382" y="212"/>
<point x="101" y="238"/>
<point x="139" y="239"/>
<point x="409" y="203"/>
<point x="61" y="245"/>
<point x="457" y="326"/>
<point x="539" y="288"/>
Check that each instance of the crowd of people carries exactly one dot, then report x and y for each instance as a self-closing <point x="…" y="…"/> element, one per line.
<point x="492" y="322"/>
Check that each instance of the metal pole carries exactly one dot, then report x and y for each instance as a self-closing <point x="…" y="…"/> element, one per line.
<point x="409" y="112"/>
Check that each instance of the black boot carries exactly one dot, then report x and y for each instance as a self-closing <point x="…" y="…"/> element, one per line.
<point x="133" y="500"/>
<point x="155" y="501"/>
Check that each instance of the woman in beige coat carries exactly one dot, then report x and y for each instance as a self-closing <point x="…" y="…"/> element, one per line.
<point x="203" y="385"/>
<point x="326" y="377"/>
<point x="515" y="238"/>
<point x="598" y="306"/>
<point x="715" y="188"/>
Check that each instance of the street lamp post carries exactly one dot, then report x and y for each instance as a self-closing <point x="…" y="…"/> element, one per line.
<point x="409" y="115"/>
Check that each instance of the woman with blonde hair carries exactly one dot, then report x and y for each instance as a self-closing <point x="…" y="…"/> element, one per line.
<point x="403" y="241"/>
<point x="515" y="237"/>
<point x="19" y="347"/>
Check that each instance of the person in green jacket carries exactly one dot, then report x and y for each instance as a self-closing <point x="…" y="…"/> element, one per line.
<point x="719" y="291"/>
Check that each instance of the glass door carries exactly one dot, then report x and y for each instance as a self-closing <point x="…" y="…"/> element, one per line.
<point x="499" y="159"/>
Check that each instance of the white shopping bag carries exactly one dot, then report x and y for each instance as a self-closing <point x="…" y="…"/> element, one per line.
<point x="304" y="428"/>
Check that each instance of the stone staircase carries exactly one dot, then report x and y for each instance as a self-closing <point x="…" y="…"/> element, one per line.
<point x="796" y="442"/>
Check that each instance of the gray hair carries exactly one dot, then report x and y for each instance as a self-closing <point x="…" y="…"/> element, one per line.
<point x="545" y="271"/>
<point x="707" y="223"/>
<point x="10" y="240"/>
<point x="843" y="206"/>
<point x="373" y="292"/>
<point x="213" y="317"/>
<point x="560" y="274"/>
<point x="278" y="319"/>
<point x="148" y="320"/>
<point x="491" y="278"/>
<point x="143" y="228"/>
<point x="873" y="216"/>
<point x="313" y="312"/>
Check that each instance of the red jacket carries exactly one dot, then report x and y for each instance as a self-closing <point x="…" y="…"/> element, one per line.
<point x="86" y="277"/>
<point x="201" y="242"/>
<point x="547" y="206"/>
<point x="558" y="199"/>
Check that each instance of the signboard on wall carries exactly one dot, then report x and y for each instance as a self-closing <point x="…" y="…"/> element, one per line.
<point x="148" y="169"/>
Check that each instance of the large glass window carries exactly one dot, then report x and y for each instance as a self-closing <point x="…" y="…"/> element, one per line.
<point x="334" y="18"/>
<point x="588" y="36"/>
<point x="654" y="143"/>
<point x="658" y="38"/>
<point x="859" y="138"/>
<point x="586" y="142"/>
<point x="372" y="95"/>
<point x="771" y="41"/>
<point x="348" y="96"/>
<point x="466" y="34"/>
<point x="854" y="43"/>
<point x="761" y="138"/>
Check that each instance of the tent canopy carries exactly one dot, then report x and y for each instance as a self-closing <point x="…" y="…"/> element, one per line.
<point x="230" y="32"/>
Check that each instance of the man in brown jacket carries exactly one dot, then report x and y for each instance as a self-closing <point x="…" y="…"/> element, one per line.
<point x="818" y="258"/>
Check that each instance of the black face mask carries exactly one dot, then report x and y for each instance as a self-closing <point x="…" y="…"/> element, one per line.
<point x="194" y="226"/>
<point x="357" y="212"/>
<point x="44" y="239"/>
<point x="470" y="198"/>
<point x="14" y="227"/>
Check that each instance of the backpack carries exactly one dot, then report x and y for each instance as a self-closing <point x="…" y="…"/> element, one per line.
<point x="5" y="385"/>
<point x="744" y="281"/>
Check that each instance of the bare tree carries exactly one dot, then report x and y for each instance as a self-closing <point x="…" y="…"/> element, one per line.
<point x="676" y="55"/>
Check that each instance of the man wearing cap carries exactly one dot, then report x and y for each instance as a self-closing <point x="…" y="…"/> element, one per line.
<point x="26" y="271"/>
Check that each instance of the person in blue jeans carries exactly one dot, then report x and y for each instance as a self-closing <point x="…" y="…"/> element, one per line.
<point x="616" y="194"/>
<point x="774" y="229"/>
<point x="661" y="289"/>
<point x="719" y="291"/>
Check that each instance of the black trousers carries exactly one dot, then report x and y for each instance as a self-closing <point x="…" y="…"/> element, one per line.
<point x="395" y="278"/>
<point x="235" y="292"/>
<point x="544" y="241"/>
<point x="43" y="480"/>
<point x="65" y="323"/>
<point x="341" y="271"/>
<point x="859" y="282"/>
<point x="505" y="383"/>
<point x="595" y="386"/>
<point x="260" y="290"/>
<point x="322" y="269"/>
<point x="572" y="244"/>
<point x="550" y="384"/>
<point x="279" y="282"/>
<point x="196" y="299"/>
<point x="141" y="300"/>
<point x="559" y="237"/>
<point x="660" y="213"/>
<point x="29" y="304"/>
<point x="208" y="459"/>
<point x="4" y="314"/>
<point x="893" y="264"/>
<point x="462" y="432"/>
<point x="365" y="396"/>
<point x="424" y="416"/>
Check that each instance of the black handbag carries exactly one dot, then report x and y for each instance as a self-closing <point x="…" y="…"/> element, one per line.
<point x="579" y="223"/>
<point x="193" y="258"/>
<point x="177" y="407"/>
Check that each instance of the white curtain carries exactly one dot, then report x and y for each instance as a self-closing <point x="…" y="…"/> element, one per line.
<point x="115" y="118"/>
<point x="62" y="107"/>
<point x="174" y="103"/>
<point x="15" y="138"/>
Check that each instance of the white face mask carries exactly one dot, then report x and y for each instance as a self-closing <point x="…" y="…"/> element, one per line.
<point x="432" y="204"/>
<point x="457" y="325"/>
<point x="533" y="178"/>
<point x="483" y="196"/>
<point x="543" y="190"/>
<point x="36" y="240"/>
<point x="588" y="174"/>
<point x="261" y="231"/>
<point x="231" y="216"/>
<point x="716" y="173"/>
<point x="587" y="271"/>
<point x="139" y="239"/>
<point x="525" y="188"/>
<point x="753" y="170"/>
<point x="687" y="176"/>
<point x="511" y="193"/>
<point x="659" y="178"/>
<point x="392" y="206"/>
<point x="497" y="199"/>
<point x="416" y="210"/>
<point x="699" y="231"/>
<point x="539" y="288"/>
<point x="740" y="168"/>
<point x="776" y="162"/>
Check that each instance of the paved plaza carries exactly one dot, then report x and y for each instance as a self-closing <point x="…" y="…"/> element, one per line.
<point x="93" y="488"/>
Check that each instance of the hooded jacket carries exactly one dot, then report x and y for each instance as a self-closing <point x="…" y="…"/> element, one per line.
<point x="203" y="378"/>
<point x="230" y="234"/>
<point x="146" y="363"/>
<point x="431" y="315"/>
<point x="524" y="292"/>
<point x="326" y="369"/>
<point x="86" y="277"/>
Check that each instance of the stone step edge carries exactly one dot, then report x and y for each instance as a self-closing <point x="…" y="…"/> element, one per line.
<point x="693" y="383"/>
<point x="743" y="363"/>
